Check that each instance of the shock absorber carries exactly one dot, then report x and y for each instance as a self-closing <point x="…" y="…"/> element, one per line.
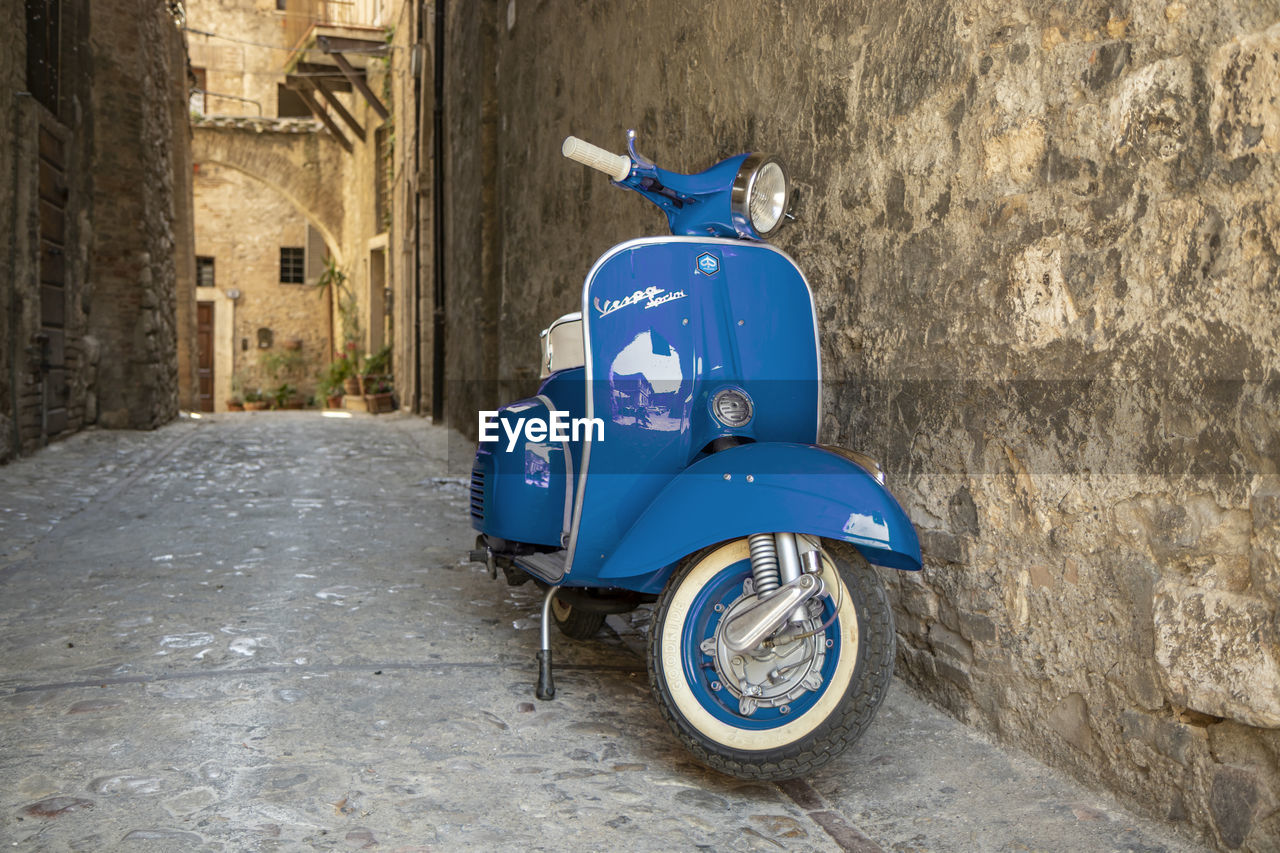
<point x="764" y="562"/>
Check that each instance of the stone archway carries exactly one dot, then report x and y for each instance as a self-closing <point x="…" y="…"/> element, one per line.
<point x="293" y="157"/>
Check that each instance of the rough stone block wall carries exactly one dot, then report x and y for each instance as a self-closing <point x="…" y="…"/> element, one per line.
<point x="472" y="222"/>
<point x="236" y="68"/>
<point x="114" y="120"/>
<point x="411" y="225"/>
<point x="1045" y="252"/>
<point x="13" y="73"/>
<point x="134" y="251"/>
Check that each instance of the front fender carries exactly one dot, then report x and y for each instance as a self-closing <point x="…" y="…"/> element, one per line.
<point x="767" y="486"/>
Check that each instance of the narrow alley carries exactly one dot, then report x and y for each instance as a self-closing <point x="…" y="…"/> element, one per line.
<point x="257" y="632"/>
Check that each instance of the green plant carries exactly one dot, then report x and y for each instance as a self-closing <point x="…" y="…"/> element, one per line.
<point x="282" y="394"/>
<point x="333" y="278"/>
<point x="281" y="364"/>
<point x="379" y="362"/>
<point x="379" y="384"/>
<point x="333" y="281"/>
<point x="254" y="396"/>
<point x="332" y="377"/>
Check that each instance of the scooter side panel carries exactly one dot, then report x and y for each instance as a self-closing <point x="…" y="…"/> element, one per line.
<point x="523" y="482"/>
<point x="668" y="323"/>
<point x="792" y="487"/>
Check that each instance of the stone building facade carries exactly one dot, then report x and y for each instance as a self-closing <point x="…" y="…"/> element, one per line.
<point x="94" y="161"/>
<point x="261" y="331"/>
<point x="271" y="165"/>
<point x="267" y="333"/>
<point x="1043" y="243"/>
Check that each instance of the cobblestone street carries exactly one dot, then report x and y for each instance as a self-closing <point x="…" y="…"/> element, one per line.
<point x="257" y="632"/>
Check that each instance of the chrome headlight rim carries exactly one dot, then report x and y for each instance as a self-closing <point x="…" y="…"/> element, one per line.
<point x="744" y="184"/>
<point x="731" y="391"/>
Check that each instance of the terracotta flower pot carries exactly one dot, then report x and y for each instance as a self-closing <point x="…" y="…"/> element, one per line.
<point x="376" y="404"/>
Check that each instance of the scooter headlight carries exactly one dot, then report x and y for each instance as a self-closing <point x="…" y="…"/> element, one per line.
<point x="732" y="407"/>
<point x="758" y="200"/>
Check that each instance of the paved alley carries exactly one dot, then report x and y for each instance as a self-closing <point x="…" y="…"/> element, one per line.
<point x="257" y="632"/>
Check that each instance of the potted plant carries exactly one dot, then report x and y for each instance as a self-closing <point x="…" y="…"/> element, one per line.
<point x="342" y="370"/>
<point x="375" y="370"/>
<point x="375" y="382"/>
<point x="255" y="402"/>
<point x="285" y="396"/>
<point x="332" y="379"/>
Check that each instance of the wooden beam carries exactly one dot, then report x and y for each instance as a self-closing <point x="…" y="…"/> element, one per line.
<point x="339" y="108"/>
<point x="318" y="112"/>
<point x="357" y="80"/>
<point x="331" y="75"/>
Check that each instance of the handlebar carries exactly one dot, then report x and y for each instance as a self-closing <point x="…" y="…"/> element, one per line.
<point x="616" y="166"/>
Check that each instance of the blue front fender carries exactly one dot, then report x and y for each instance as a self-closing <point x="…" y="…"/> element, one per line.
<point x="754" y="488"/>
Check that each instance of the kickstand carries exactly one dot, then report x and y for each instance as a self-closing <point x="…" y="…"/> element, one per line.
<point x="546" y="686"/>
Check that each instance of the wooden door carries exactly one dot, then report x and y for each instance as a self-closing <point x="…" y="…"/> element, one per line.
<point x="204" y="343"/>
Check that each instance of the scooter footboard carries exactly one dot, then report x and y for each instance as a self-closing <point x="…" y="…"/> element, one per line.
<point x="762" y="487"/>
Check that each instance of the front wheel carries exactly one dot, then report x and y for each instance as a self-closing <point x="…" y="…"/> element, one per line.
<point x="793" y="703"/>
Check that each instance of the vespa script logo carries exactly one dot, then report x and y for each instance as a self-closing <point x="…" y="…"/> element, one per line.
<point x="651" y="296"/>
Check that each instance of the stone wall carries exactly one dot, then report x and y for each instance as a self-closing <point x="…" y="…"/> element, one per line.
<point x="12" y="80"/>
<point x="473" y="291"/>
<point x="134" y="255"/>
<point x="1043" y="244"/>
<point x="246" y="41"/>
<point x="241" y="224"/>
<point x="184" y="232"/>
<point x="409" y="250"/>
<point x="103" y="351"/>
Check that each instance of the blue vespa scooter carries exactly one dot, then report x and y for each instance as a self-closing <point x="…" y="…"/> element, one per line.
<point x="671" y="454"/>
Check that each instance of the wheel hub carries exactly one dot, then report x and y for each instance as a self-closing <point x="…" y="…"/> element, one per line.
<point x="778" y="671"/>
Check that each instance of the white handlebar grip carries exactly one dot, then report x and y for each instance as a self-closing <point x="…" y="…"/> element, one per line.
<point x="615" y="166"/>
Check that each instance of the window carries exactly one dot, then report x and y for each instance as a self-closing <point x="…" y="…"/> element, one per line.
<point x="204" y="272"/>
<point x="293" y="265"/>
<point x="282" y="5"/>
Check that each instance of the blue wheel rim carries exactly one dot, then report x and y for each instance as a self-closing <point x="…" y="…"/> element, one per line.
<point x="701" y="621"/>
